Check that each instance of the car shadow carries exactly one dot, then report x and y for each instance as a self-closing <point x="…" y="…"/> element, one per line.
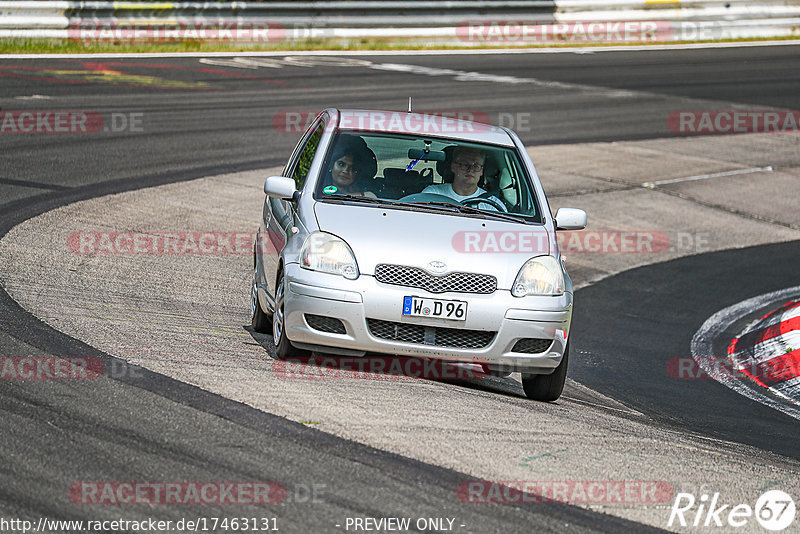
<point x="375" y="366"/>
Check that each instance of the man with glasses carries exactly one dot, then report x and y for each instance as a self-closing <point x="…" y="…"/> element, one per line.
<point x="467" y="168"/>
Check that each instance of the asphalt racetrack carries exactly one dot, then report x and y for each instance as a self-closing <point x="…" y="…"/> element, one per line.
<point x="169" y="121"/>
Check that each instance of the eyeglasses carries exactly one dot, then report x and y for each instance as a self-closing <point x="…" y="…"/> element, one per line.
<point x="469" y="166"/>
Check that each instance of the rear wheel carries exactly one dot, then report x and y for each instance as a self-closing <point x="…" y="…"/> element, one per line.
<point x="283" y="347"/>
<point x="547" y="388"/>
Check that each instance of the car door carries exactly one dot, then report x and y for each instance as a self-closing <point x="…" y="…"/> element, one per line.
<point x="280" y="216"/>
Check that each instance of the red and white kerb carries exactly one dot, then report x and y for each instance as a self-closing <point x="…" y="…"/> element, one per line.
<point x="769" y="351"/>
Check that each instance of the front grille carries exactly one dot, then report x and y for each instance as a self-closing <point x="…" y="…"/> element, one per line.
<point x="330" y="325"/>
<point x="408" y="333"/>
<point x="532" y="345"/>
<point x="403" y="275"/>
<point x="430" y="335"/>
<point x="465" y="339"/>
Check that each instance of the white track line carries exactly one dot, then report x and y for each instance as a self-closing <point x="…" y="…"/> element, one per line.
<point x="476" y="51"/>
<point x="707" y="176"/>
<point x="703" y="353"/>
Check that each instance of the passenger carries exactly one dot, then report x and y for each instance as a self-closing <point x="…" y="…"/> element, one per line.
<point x="467" y="169"/>
<point x="353" y="163"/>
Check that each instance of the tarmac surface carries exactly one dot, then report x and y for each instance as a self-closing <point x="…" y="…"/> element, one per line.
<point x="203" y="399"/>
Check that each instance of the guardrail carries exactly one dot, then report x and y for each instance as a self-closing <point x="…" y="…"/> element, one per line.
<point x="467" y="22"/>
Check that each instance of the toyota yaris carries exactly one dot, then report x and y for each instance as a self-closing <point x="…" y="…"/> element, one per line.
<point x="415" y="235"/>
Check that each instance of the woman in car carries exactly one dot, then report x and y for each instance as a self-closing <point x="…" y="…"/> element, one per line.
<point x="353" y="167"/>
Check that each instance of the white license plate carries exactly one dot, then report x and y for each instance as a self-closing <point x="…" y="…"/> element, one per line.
<point x="455" y="310"/>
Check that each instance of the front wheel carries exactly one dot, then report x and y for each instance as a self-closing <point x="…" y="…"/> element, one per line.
<point x="547" y="388"/>
<point x="259" y="320"/>
<point x="283" y="347"/>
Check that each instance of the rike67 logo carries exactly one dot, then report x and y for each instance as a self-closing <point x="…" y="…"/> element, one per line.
<point x="774" y="510"/>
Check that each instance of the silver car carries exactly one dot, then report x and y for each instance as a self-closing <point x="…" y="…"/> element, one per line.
<point x="415" y="235"/>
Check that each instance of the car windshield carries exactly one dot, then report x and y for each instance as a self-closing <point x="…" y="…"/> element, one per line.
<point x="427" y="173"/>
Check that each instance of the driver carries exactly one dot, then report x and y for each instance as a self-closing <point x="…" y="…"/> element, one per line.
<point x="467" y="169"/>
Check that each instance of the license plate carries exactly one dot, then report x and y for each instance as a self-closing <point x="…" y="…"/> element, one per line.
<point x="455" y="310"/>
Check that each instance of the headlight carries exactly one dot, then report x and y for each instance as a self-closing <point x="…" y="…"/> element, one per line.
<point x="328" y="254"/>
<point x="539" y="276"/>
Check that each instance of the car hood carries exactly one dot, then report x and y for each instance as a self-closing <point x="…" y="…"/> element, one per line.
<point x="414" y="238"/>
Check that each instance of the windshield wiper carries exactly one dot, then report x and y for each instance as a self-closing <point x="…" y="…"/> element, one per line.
<point x="461" y="208"/>
<point x="358" y="198"/>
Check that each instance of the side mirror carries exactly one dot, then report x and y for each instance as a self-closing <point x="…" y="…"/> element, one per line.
<point x="570" y="219"/>
<point x="280" y="187"/>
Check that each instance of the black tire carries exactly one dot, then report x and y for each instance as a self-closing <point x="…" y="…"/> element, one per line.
<point x="547" y="388"/>
<point x="283" y="347"/>
<point x="260" y="321"/>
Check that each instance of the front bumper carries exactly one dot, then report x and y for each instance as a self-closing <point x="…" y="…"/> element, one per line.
<point x="354" y="301"/>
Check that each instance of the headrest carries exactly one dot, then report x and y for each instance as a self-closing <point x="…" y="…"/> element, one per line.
<point x="443" y="167"/>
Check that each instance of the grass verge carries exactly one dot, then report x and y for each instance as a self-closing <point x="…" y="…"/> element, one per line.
<point x="69" y="46"/>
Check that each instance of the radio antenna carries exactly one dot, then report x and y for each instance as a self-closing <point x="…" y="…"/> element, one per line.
<point x="409" y="104"/>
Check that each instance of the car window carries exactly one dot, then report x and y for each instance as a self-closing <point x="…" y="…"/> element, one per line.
<point x="388" y="167"/>
<point x="306" y="156"/>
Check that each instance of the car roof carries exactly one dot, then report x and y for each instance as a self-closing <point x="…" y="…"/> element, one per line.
<point x="444" y="125"/>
